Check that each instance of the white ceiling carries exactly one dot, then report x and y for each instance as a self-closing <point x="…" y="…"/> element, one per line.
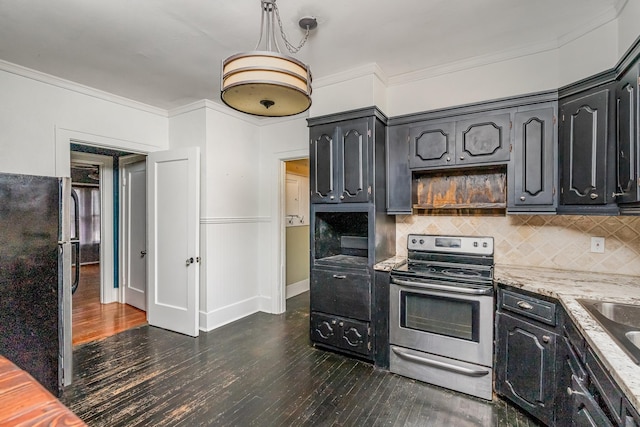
<point x="168" y="53"/>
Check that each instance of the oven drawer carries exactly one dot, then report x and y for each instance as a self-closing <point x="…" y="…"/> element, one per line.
<point x="339" y="332"/>
<point x="527" y="306"/>
<point x="340" y="293"/>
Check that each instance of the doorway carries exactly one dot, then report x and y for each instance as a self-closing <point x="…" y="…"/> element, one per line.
<point x="296" y="227"/>
<point x="98" y="305"/>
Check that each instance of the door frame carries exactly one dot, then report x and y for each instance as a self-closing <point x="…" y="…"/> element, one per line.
<point x="105" y="164"/>
<point x="123" y="242"/>
<point x="279" y="291"/>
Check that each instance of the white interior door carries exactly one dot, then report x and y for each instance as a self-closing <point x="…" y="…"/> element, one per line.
<point x="134" y="233"/>
<point x="173" y="206"/>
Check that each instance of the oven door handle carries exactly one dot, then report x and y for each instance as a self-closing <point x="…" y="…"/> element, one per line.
<point x="434" y="287"/>
<point x="440" y="365"/>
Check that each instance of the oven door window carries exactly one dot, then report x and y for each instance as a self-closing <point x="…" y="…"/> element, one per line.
<point x="448" y="316"/>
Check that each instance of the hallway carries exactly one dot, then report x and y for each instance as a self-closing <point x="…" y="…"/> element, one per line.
<point x="93" y="321"/>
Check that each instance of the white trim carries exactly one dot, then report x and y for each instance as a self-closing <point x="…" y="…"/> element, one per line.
<point x="354" y="73"/>
<point x="297" y="288"/>
<point x="108" y="293"/>
<point x="220" y="108"/>
<point x="278" y="230"/>
<point x="78" y="88"/>
<point x="230" y="313"/>
<point x="235" y="220"/>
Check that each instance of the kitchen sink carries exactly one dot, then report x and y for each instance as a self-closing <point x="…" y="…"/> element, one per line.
<point x="620" y="321"/>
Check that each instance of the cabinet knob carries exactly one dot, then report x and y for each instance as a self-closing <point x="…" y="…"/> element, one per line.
<point x="341" y="324"/>
<point x="546" y="339"/>
<point x="448" y="159"/>
<point x="524" y="305"/>
<point x="342" y="197"/>
<point x="461" y="157"/>
<point x="334" y="321"/>
<point x="523" y="198"/>
<point x="332" y="197"/>
<point x="593" y="196"/>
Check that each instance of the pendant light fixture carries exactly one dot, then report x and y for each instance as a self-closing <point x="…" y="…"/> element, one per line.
<point x="265" y="82"/>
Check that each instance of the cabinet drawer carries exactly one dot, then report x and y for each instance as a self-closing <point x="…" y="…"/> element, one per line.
<point x="527" y="306"/>
<point x="340" y="293"/>
<point x="609" y="392"/>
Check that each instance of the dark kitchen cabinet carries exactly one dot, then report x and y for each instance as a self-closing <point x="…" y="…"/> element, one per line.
<point x="398" y="172"/>
<point x="525" y="372"/>
<point x="526" y="339"/>
<point x="339" y="161"/>
<point x="586" y="158"/>
<point x="432" y="145"/>
<point x="532" y="170"/>
<point x="349" y="231"/>
<point x="340" y="332"/>
<point x="484" y="139"/>
<point x="627" y="136"/>
<point x="477" y="140"/>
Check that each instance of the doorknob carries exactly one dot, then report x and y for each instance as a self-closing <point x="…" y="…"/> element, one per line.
<point x="189" y="261"/>
<point x="142" y="254"/>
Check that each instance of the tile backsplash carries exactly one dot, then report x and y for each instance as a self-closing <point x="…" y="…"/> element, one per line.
<point x="551" y="241"/>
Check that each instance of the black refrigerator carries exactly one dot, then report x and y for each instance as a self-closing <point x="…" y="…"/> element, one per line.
<point x="34" y="254"/>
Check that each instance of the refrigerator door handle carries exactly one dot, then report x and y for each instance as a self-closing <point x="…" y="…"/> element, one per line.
<point x="76" y="262"/>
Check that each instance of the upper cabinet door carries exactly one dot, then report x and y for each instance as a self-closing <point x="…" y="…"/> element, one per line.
<point x="431" y="145"/>
<point x="322" y="164"/>
<point x="483" y="139"/>
<point x="627" y="123"/>
<point x="584" y="149"/>
<point x="353" y="157"/>
<point x="533" y="168"/>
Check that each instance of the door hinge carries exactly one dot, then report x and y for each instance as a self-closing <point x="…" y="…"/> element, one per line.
<point x="553" y="191"/>
<point x="369" y="345"/>
<point x="638" y="81"/>
<point x="197" y="259"/>
<point x="369" y="189"/>
<point x="554" y="120"/>
<point x="510" y="124"/>
<point x="369" y="133"/>
<point x="638" y="181"/>
<point x="510" y="148"/>
<point x="563" y="117"/>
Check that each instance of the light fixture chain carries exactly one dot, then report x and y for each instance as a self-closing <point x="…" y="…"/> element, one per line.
<point x="291" y="48"/>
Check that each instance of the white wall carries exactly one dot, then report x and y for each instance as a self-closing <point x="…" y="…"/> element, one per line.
<point x="34" y="109"/>
<point x="628" y="26"/>
<point x="282" y="140"/>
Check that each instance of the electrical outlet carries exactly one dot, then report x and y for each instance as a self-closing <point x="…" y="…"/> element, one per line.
<point x="597" y="245"/>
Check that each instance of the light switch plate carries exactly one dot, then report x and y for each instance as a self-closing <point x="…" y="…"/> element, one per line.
<point x="597" y="245"/>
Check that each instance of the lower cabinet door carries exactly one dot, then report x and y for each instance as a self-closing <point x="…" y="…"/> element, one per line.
<point x="587" y="412"/>
<point x="525" y="366"/>
<point x="341" y="333"/>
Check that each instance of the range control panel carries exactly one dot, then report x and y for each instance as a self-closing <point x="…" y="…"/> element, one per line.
<point x="453" y="244"/>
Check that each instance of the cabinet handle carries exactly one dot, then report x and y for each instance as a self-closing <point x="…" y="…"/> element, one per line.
<point x="523" y="198"/>
<point x="593" y="196"/>
<point x="546" y="339"/>
<point x="339" y="276"/>
<point x="571" y="392"/>
<point x="524" y="305"/>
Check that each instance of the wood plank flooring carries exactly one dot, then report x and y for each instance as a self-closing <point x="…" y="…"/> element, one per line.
<point x="92" y="320"/>
<point x="260" y="370"/>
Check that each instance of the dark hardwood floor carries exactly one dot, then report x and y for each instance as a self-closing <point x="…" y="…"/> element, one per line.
<point x="260" y="370"/>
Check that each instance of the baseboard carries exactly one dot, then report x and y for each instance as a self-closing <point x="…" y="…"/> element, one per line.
<point x="297" y="288"/>
<point x="221" y="316"/>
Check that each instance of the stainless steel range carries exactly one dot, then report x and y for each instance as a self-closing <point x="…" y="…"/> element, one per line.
<point x="441" y="313"/>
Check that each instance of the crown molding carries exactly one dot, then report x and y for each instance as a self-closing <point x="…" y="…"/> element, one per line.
<point x="78" y="88"/>
<point x="598" y="21"/>
<point x="354" y="73"/>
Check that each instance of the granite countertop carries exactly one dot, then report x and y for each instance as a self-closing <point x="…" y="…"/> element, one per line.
<point x="389" y="264"/>
<point x="567" y="287"/>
